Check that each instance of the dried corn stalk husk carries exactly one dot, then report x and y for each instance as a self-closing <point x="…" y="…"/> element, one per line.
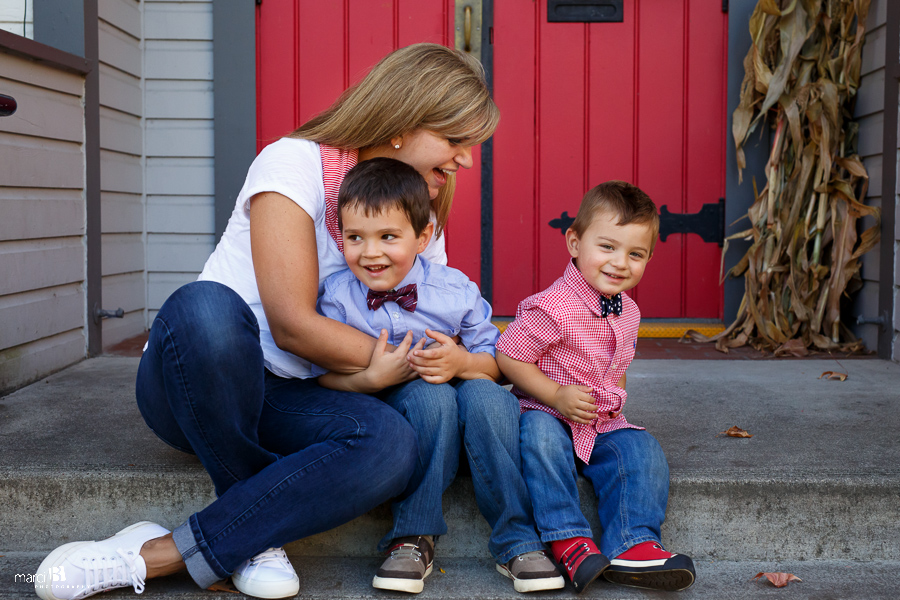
<point x="801" y="77"/>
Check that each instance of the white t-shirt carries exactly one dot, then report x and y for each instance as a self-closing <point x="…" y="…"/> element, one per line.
<point x="292" y="168"/>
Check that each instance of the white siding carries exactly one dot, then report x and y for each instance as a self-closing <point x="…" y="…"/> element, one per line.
<point x="17" y="16"/>
<point x="178" y="70"/>
<point x="122" y="166"/>
<point x="869" y="113"/>
<point x="42" y="222"/>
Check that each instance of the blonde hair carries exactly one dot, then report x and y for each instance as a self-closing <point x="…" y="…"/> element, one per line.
<point x="425" y="86"/>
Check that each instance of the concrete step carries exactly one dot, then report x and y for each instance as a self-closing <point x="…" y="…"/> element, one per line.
<point x="464" y="578"/>
<point x="818" y="481"/>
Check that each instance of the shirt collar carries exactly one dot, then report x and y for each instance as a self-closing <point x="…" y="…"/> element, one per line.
<point x="590" y="296"/>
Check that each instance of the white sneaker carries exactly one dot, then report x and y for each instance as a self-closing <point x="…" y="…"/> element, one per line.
<point x="269" y="574"/>
<point x="81" y="569"/>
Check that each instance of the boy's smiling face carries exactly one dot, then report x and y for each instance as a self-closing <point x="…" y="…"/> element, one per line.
<point x="381" y="248"/>
<point x="611" y="257"/>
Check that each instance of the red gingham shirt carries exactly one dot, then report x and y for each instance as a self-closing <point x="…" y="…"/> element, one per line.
<point x="561" y="330"/>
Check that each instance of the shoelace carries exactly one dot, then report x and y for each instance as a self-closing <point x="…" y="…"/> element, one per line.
<point x="573" y="554"/>
<point x="406" y="550"/>
<point x="276" y="555"/>
<point x="110" y="572"/>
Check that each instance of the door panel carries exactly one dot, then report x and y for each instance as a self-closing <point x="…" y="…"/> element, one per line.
<point x="642" y="100"/>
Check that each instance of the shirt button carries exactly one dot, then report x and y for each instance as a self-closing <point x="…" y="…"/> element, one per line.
<point x="395" y="315"/>
<point x="615" y="366"/>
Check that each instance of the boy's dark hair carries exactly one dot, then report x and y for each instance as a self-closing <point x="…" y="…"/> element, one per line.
<point x="379" y="184"/>
<point x="620" y="198"/>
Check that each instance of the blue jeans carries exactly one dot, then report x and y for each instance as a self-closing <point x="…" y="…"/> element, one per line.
<point x="288" y="458"/>
<point x="629" y="473"/>
<point x="483" y="418"/>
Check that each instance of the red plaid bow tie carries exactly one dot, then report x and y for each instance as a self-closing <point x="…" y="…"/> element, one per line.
<point x="406" y="297"/>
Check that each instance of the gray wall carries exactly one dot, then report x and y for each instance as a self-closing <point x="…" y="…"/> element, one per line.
<point x="179" y="144"/>
<point x="122" y="167"/>
<point x="42" y="219"/>
<point x="869" y="113"/>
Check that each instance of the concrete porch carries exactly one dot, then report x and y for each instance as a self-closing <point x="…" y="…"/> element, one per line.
<point x="814" y="492"/>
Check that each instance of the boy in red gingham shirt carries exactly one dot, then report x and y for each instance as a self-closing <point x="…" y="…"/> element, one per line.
<point x="566" y="354"/>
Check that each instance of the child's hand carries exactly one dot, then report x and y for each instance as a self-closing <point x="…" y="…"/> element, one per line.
<point x="575" y="403"/>
<point x="441" y="361"/>
<point x="389" y="368"/>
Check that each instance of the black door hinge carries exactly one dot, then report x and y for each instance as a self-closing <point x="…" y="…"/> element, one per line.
<point x="708" y="223"/>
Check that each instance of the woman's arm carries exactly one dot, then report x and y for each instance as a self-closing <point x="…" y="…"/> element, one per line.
<point x="286" y="262"/>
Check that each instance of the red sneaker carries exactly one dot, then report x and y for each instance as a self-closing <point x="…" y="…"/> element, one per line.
<point x="648" y="565"/>
<point x="581" y="559"/>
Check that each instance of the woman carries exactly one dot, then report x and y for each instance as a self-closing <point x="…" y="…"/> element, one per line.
<point x="226" y="374"/>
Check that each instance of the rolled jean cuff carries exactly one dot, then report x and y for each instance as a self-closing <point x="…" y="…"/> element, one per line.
<point x="555" y="536"/>
<point x="199" y="568"/>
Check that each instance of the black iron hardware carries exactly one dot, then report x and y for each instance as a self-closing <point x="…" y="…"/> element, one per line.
<point x="585" y="11"/>
<point x="563" y="222"/>
<point x="709" y="223"/>
<point x="7" y="105"/>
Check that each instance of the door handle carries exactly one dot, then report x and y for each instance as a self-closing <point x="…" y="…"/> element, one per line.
<point x="467" y="28"/>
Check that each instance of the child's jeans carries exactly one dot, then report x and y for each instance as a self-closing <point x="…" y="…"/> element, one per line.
<point x="629" y="473"/>
<point x="484" y="418"/>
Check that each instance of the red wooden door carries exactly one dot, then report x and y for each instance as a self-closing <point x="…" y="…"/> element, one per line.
<point x="642" y="100"/>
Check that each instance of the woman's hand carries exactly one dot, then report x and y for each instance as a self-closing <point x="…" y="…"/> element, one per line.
<point x="575" y="403"/>
<point x="386" y="367"/>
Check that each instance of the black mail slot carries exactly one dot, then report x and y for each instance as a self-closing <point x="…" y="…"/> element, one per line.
<point x="585" y="11"/>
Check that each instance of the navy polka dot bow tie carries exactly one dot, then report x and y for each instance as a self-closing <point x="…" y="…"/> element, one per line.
<point x="406" y="297"/>
<point x="610" y="305"/>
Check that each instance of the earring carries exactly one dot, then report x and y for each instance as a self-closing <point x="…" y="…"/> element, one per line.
<point x="396" y="146"/>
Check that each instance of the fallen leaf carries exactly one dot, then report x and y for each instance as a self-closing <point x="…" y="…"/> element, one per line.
<point x="795" y="347"/>
<point x="441" y="570"/>
<point x="778" y="579"/>
<point x="223" y="586"/>
<point x="834" y="375"/>
<point x="735" y="431"/>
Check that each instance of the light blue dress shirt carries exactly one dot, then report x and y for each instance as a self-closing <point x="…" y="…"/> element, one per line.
<point x="447" y="302"/>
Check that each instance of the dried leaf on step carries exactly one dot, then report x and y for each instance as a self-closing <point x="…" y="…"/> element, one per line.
<point x="834" y="375"/>
<point x="735" y="431"/>
<point x="441" y="570"/>
<point x="778" y="579"/>
<point x="223" y="586"/>
<point x="794" y="347"/>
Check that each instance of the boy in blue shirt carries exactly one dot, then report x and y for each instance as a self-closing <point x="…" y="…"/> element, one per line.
<point x="452" y="399"/>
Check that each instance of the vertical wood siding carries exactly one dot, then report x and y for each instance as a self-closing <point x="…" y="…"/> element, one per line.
<point x="122" y="167"/>
<point x="178" y="71"/>
<point x="42" y="252"/>
<point x="869" y="113"/>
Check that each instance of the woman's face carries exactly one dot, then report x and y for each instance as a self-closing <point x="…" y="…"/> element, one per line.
<point x="433" y="156"/>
